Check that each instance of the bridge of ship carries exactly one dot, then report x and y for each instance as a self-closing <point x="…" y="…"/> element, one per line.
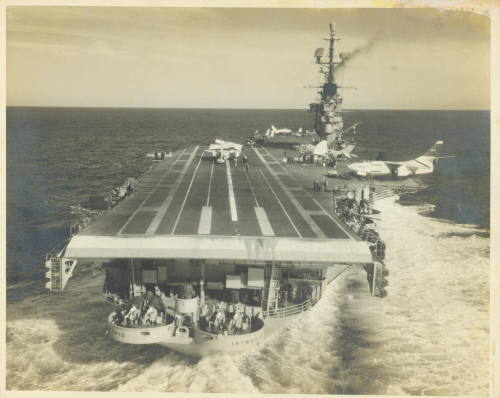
<point x="191" y="207"/>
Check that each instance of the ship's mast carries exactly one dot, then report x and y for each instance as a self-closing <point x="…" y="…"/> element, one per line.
<point x="328" y="112"/>
<point x="330" y="55"/>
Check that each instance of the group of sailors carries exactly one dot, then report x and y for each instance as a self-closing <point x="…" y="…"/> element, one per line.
<point x="354" y="214"/>
<point x="117" y="195"/>
<point x="351" y="211"/>
<point x="242" y="158"/>
<point x="121" y="192"/>
<point x="135" y="314"/>
<point x="144" y="309"/>
<point x="87" y="217"/>
<point x="148" y="307"/>
<point x="320" y="186"/>
<point x="114" y="298"/>
<point x="225" y="322"/>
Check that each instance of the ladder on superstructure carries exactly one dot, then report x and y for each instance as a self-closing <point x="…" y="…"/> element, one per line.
<point x="272" y="296"/>
<point x="55" y="274"/>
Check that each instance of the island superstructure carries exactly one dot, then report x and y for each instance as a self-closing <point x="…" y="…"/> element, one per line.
<point x="328" y="122"/>
<point x="218" y="246"/>
<point x="328" y="139"/>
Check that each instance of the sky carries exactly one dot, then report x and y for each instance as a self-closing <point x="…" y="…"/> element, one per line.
<point x="244" y="58"/>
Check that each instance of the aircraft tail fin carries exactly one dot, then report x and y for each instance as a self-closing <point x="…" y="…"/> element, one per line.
<point x="434" y="150"/>
<point x="347" y="151"/>
<point x="330" y="139"/>
<point x="321" y="148"/>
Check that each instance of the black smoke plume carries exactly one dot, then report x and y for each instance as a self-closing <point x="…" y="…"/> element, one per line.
<point x="347" y="57"/>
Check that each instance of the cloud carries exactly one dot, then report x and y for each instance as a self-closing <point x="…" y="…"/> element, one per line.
<point x="214" y="47"/>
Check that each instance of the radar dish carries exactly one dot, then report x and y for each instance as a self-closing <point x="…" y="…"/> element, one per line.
<point x="319" y="52"/>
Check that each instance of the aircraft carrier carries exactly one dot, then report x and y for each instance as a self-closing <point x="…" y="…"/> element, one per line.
<point x="217" y="246"/>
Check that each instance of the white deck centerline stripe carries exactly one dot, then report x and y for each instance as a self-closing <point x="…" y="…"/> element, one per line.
<point x="186" y="196"/>
<point x="163" y="208"/>
<point x="264" y="224"/>
<point x="141" y="206"/>
<point x="232" y="201"/>
<point x="338" y="222"/>
<point x="205" y="221"/>
<point x="281" y="204"/>
<point x="210" y="184"/>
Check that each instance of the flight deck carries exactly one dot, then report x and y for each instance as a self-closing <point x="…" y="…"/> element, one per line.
<point x="191" y="195"/>
<point x="190" y="206"/>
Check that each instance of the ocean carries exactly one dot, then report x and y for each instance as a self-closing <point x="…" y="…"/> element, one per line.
<point x="429" y="336"/>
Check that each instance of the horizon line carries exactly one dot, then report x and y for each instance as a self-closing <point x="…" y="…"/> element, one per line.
<point x="242" y="108"/>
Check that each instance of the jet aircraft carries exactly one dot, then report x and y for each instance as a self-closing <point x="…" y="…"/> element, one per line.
<point x="333" y="147"/>
<point x="422" y="165"/>
<point x="323" y="149"/>
<point x="274" y="130"/>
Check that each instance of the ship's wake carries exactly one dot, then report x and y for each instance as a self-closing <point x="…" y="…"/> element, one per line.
<point x="429" y="336"/>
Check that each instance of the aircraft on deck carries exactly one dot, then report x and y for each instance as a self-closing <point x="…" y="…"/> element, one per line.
<point x="158" y="156"/>
<point x="333" y="147"/>
<point x="322" y="149"/>
<point x="274" y="130"/>
<point x="422" y="165"/>
<point x="223" y="150"/>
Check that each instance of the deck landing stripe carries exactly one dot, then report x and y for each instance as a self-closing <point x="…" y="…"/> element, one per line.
<point x="210" y="183"/>
<point x="232" y="202"/>
<point x="157" y="184"/>
<point x="250" y="185"/>
<point x="281" y="204"/>
<point x="205" y="220"/>
<point x="163" y="208"/>
<point x="264" y="224"/>
<point x="187" y="195"/>
<point x="333" y="217"/>
<point x="292" y="199"/>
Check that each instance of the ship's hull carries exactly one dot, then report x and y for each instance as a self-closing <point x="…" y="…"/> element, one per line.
<point x="230" y="344"/>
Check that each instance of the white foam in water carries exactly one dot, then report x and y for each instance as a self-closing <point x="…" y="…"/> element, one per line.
<point x="429" y="336"/>
<point x="434" y="323"/>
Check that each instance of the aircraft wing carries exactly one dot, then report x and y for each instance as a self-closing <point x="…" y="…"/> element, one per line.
<point x="214" y="147"/>
<point x="228" y="145"/>
<point x="309" y="148"/>
<point x="321" y="149"/>
<point x="353" y="127"/>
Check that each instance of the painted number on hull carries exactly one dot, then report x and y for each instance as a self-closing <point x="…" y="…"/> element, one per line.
<point x="245" y="342"/>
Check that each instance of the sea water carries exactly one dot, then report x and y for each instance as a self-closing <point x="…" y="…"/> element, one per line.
<point x="429" y="336"/>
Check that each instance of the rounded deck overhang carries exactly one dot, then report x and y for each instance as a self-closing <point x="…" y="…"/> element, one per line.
<point x="140" y="335"/>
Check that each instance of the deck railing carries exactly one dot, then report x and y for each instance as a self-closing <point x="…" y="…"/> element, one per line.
<point x="287" y="311"/>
